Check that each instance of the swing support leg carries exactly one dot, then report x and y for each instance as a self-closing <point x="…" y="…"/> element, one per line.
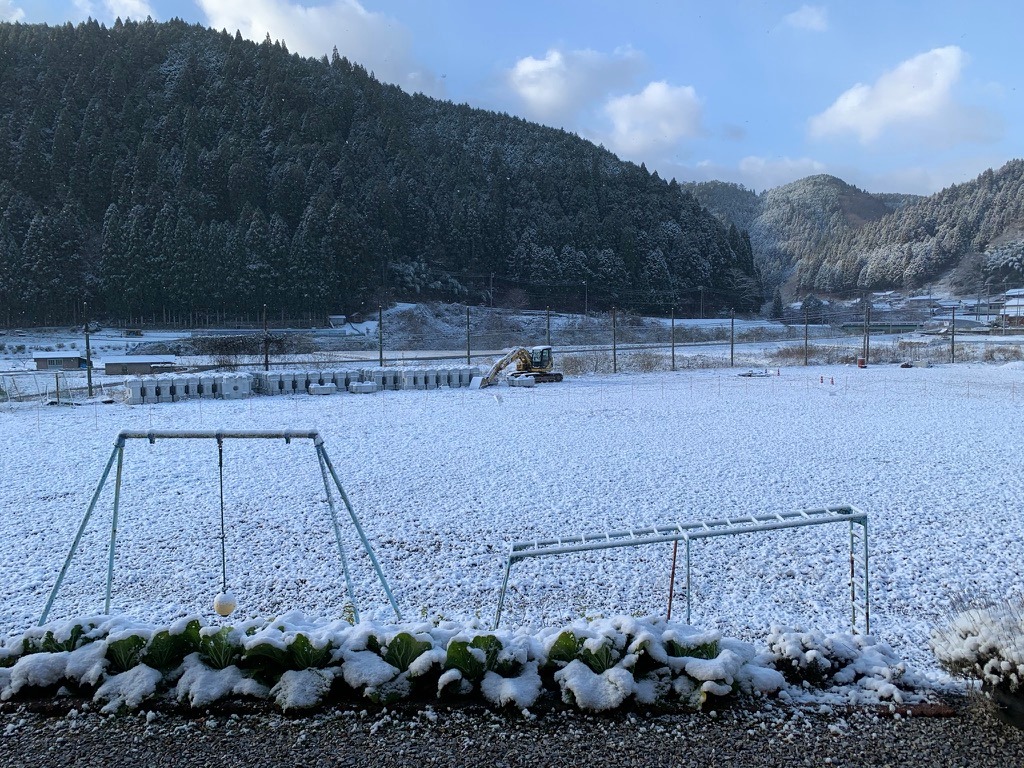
<point x="358" y="526"/>
<point x="337" y="536"/>
<point x="113" y="528"/>
<point x="118" y="446"/>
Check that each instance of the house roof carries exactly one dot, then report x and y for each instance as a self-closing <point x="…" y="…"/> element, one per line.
<point x="140" y="359"/>
<point x="56" y="355"/>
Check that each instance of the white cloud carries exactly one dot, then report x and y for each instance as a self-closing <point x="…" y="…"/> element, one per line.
<point x="813" y="18"/>
<point x="557" y="87"/>
<point x="10" y="12"/>
<point x="373" y="40"/>
<point x="654" y="119"/>
<point x="136" y="10"/>
<point x="915" y="100"/>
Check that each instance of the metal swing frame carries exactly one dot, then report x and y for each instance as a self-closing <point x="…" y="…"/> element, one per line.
<point x="327" y="473"/>
<point x="860" y="609"/>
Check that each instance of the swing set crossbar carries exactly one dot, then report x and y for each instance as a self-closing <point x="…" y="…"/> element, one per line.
<point x="327" y="472"/>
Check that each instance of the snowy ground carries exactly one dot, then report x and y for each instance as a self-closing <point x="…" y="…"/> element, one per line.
<point x="445" y="480"/>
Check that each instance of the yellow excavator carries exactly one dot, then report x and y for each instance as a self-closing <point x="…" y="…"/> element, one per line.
<point x="534" y="364"/>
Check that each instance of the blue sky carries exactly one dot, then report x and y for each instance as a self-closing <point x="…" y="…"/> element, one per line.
<point x="890" y="95"/>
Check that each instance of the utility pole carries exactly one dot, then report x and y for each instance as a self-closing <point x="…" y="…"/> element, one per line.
<point x="547" y="314"/>
<point x="586" y="299"/>
<point x="88" y="349"/>
<point x="468" y="349"/>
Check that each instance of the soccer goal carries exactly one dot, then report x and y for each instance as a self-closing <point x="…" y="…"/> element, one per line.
<point x="225" y="602"/>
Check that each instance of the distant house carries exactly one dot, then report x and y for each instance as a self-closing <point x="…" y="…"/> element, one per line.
<point x="58" y="361"/>
<point x="1013" y="311"/>
<point x="137" y="365"/>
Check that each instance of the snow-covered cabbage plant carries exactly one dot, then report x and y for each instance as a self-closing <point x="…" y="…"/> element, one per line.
<point x="984" y="640"/>
<point x="864" y="668"/>
<point x="299" y="663"/>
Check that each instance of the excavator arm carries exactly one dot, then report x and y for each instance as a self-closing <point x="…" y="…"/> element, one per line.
<point x="534" y="364"/>
<point x="520" y="356"/>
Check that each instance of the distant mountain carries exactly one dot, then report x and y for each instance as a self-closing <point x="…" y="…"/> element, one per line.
<point x="166" y="169"/>
<point x="979" y="222"/>
<point x="791" y="224"/>
<point x="820" y="234"/>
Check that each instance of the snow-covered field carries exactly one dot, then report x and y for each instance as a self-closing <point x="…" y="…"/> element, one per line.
<point x="444" y="480"/>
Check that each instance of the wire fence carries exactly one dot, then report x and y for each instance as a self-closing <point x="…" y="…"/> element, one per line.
<point x="606" y="342"/>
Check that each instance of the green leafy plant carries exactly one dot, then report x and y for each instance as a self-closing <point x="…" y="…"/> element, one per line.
<point x="167" y="651"/>
<point x="50" y="644"/>
<point x="404" y="649"/>
<point x="460" y="656"/>
<point x="304" y="655"/>
<point x="564" y="649"/>
<point x="708" y="650"/>
<point x="217" y="650"/>
<point x="600" y="660"/>
<point x="125" y="653"/>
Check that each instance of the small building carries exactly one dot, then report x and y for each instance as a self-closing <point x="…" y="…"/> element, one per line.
<point x="58" y="361"/>
<point x="137" y="365"/>
<point x="1013" y="312"/>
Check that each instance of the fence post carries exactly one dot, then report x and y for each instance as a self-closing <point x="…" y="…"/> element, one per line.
<point x="952" y="338"/>
<point x="805" y="336"/>
<point x="615" y="362"/>
<point x="380" y="332"/>
<point x="88" y="349"/>
<point x="673" y="338"/>
<point x="867" y="336"/>
<point x="266" y="341"/>
<point x="468" y="349"/>
<point x="547" y="312"/>
<point x="732" y="336"/>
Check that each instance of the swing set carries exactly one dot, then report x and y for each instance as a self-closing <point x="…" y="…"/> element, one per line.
<point x="225" y="602"/>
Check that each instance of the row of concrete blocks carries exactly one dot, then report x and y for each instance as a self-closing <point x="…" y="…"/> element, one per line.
<point x="174" y="387"/>
<point x="316" y="382"/>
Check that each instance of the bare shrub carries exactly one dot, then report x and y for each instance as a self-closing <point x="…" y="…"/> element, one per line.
<point x="580" y="363"/>
<point x="644" y="361"/>
<point x="788" y="355"/>
<point x="1003" y="353"/>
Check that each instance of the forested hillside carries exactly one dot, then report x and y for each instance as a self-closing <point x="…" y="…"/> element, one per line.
<point x="820" y="234"/>
<point x="981" y="221"/>
<point x="790" y="225"/>
<point x="162" y="168"/>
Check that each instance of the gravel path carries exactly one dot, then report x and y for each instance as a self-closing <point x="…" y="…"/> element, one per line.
<point x="962" y="732"/>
